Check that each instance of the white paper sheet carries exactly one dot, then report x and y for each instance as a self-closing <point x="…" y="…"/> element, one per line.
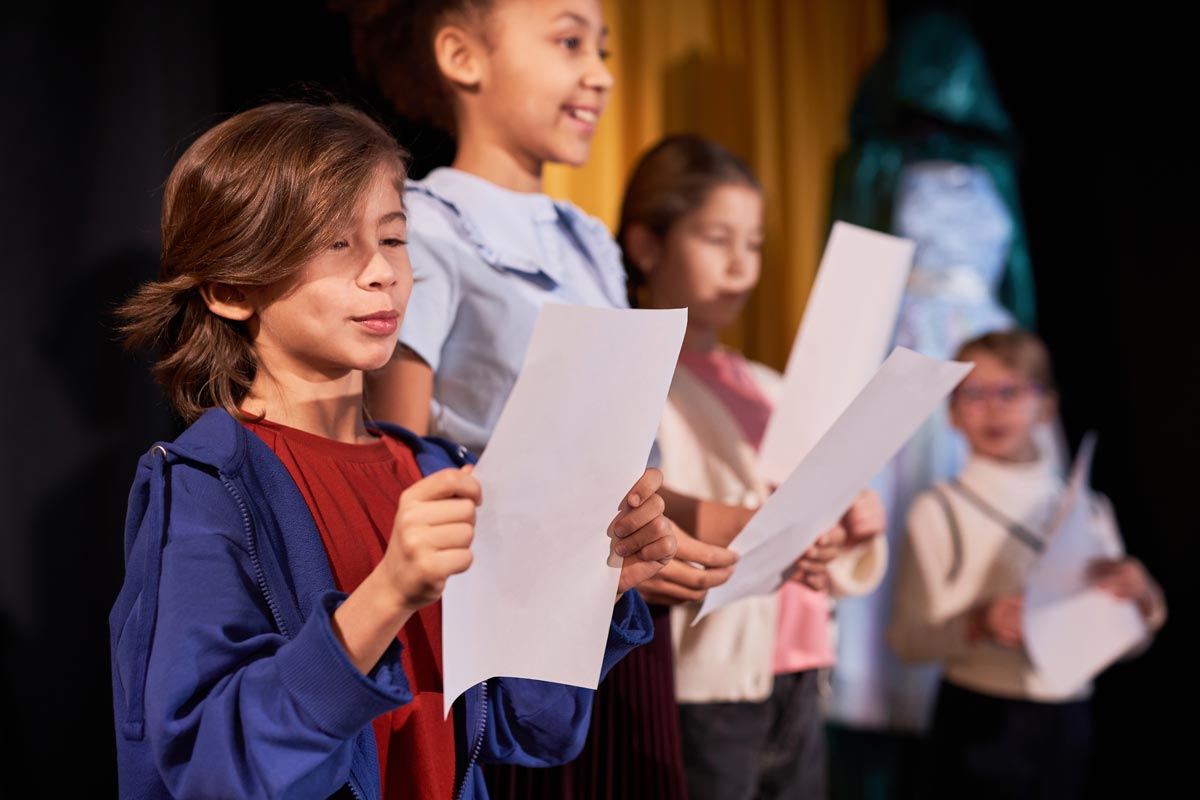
<point x="1072" y="540"/>
<point x="843" y="337"/>
<point x="905" y="390"/>
<point x="573" y="438"/>
<point x="1072" y="632"/>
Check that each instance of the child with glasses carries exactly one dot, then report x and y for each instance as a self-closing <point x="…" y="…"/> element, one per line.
<point x="998" y="729"/>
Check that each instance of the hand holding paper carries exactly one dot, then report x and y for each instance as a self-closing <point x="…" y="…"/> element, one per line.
<point x="571" y="441"/>
<point x="866" y="518"/>
<point x="1072" y="629"/>
<point x="431" y="535"/>
<point x="814" y="496"/>
<point x="812" y="568"/>
<point x="1125" y="579"/>
<point x="644" y="538"/>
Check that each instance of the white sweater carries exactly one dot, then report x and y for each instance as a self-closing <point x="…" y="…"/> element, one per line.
<point x="948" y="568"/>
<point x="729" y="655"/>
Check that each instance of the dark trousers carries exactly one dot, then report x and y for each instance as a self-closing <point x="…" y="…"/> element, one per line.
<point x="758" y="751"/>
<point x="633" y="749"/>
<point x="991" y="747"/>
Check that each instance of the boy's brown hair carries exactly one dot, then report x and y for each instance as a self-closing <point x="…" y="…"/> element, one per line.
<point x="247" y="205"/>
<point x="1018" y="349"/>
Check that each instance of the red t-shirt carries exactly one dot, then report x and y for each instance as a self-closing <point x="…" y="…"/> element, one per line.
<point x="352" y="491"/>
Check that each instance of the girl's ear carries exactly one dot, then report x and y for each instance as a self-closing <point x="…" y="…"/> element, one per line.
<point x="228" y="301"/>
<point x="643" y="247"/>
<point x="459" y="55"/>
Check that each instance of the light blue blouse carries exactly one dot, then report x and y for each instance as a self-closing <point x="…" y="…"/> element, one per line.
<point x="485" y="260"/>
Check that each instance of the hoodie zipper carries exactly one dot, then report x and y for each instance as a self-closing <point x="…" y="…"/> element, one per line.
<point x="252" y="549"/>
<point x="462" y="790"/>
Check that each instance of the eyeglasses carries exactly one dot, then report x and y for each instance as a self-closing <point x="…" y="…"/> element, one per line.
<point x="1005" y="393"/>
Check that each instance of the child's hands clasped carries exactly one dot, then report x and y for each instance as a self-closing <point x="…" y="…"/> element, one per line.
<point x="643" y="537"/>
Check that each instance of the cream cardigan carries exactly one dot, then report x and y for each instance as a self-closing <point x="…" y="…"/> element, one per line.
<point x="728" y="656"/>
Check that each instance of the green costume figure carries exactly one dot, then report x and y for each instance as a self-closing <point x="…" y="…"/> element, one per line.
<point x="932" y="159"/>
<point x="929" y="97"/>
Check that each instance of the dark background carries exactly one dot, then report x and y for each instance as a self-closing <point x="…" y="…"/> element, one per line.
<point x="101" y="100"/>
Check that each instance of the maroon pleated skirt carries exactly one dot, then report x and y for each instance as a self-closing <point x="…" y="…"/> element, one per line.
<point x="633" y="748"/>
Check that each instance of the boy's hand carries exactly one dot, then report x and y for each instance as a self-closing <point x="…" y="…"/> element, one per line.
<point x="1123" y="578"/>
<point x="643" y="537"/>
<point x="431" y="536"/>
<point x="999" y="621"/>
<point x="1127" y="579"/>
<point x="865" y="519"/>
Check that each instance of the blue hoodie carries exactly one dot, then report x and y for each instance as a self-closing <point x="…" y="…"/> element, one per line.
<point x="228" y="680"/>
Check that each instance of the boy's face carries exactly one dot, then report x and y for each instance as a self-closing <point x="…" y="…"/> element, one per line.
<point x="341" y="311"/>
<point x="543" y="84"/>
<point x="997" y="410"/>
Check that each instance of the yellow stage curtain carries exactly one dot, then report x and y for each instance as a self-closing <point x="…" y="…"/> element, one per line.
<point x="773" y="81"/>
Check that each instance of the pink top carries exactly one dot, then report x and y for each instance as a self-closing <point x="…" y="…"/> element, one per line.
<point x="802" y="638"/>
<point x="726" y="374"/>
